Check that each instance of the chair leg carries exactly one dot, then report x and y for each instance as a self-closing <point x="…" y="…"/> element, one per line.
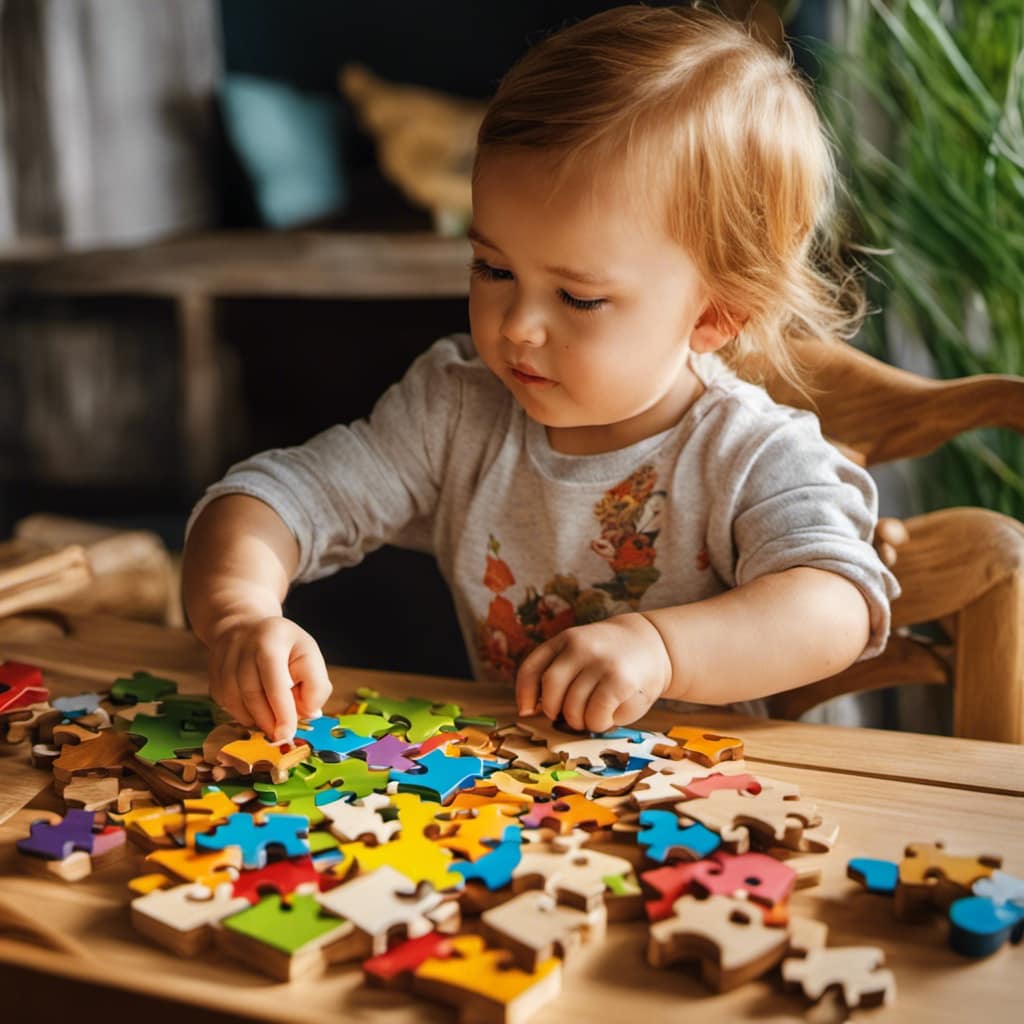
<point x="988" y="700"/>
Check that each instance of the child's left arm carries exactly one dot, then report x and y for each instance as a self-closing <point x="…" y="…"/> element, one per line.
<point x="776" y="632"/>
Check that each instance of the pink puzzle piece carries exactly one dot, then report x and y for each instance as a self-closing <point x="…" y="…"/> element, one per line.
<point x="670" y="883"/>
<point x="763" y="878"/>
<point x="702" y="787"/>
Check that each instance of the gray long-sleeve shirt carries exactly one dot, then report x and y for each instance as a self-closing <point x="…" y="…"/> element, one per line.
<point x="531" y="540"/>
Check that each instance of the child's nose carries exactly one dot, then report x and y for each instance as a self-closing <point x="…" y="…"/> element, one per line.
<point x="523" y="325"/>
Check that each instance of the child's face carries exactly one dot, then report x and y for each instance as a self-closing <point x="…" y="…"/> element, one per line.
<point x="603" y="362"/>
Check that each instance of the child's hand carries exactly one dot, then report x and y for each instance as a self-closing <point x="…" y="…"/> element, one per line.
<point x="268" y="672"/>
<point x="598" y="676"/>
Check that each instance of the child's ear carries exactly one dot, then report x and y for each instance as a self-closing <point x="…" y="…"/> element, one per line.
<point x="714" y="328"/>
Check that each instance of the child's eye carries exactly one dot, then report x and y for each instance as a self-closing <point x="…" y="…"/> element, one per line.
<point x="478" y="268"/>
<point x="587" y="305"/>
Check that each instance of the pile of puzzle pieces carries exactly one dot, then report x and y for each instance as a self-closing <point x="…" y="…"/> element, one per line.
<point x="451" y="858"/>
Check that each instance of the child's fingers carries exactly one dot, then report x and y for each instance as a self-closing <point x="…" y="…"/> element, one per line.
<point x="577" y="696"/>
<point x="251" y="689"/>
<point x="313" y="686"/>
<point x="224" y="681"/>
<point x="528" y="676"/>
<point x="276" y="682"/>
<point x="602" y="708"/>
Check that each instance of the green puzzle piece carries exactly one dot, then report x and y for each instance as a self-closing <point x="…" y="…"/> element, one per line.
<point x="287" y="928"/>
<point x="165" y="737"/>
<point x="349" y="776"/>
<point x="141" y="688"/>
<point x="425" y="718"/>
<point x="367" y="725"/>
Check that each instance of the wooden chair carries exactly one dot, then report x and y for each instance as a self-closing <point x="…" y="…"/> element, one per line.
<point x="960" y="567"/>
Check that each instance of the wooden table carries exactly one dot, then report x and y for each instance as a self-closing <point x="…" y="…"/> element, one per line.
<point x="885" y="789"/>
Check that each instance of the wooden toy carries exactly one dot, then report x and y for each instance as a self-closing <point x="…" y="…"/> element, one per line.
<point x="92" y="794"/>
<point x="931" y="878"/>
<point x="394" y="968"/>
<point x="21" y="686"/>
<point x="328" y="740"/>
<point x="181" y="918"/>
<point x="286" y="832"/>
<point x="978" y="925"/>
<point x="483" y="983"/>
<point x="351" y="820"/>
<point x="473" y="834"/>
<point x="568" y="813"/>
<point x="256" y="754"/>
<point x="665" y="838"/>
<point x="384" y="903"/>
<point x="663" y="781"/>
<point x="533" y="927"/>
<point x="107" y="754"/>
<point x="290" y="940"/>
<point x="72" y="847"/>
<point x="768" y="815"/>
<point x="494" y="869"/>
<point x="700" y="745"/>
<point x="727" y="935"/>
<point x="438" y="777"/>
<point x="141" y="687"/>
<point x="421" y="718"/>
<point x="855" y="970"/>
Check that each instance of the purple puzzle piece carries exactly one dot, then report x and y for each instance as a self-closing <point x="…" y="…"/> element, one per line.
<point x="55" y="842"/>
<point x="388" y="752"/>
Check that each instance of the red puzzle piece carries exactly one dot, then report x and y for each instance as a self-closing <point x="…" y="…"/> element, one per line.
<point x="764" y="879"/>
<point x="406" y="957"/>
<point x="20" y="686"/>
<point x="670" y="882"/>
<point x="283" y="877"/>
<point x="702" y="787"/>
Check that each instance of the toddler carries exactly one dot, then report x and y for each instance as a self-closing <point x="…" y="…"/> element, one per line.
<point x="621" y="511"/>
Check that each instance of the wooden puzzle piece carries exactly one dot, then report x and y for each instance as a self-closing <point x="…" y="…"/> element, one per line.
<point x="495" y="868"/>
<point x="855" y="970"/>
<point x="664" y="885"/>
<point x="213" y="869"/>
<point x="141" y="687"/>
<point x="351" y="820"/>
<point x="285" y="877"/>
<point x="108" y="754"/>
<point x="483" y="984"/>
<point x="475" y="833"/>
<point x="284" y="832"/>
<point x="72" y="847"/>
<point x="329" y="740"/>
<point x="98" y="794"/>
<point x="880" y="876"/>
<point x="575" y="748"/>
<point x="34" y="721"/>
<point x="21" y="686"/>
<point x="663" y="780"/>
<point x="570" y="873"/>
<point x="390" y="753"/>
<point x="534" y="928"/>
<point x="754" y="876"/>
<point x="664" y="837"/>
<point x="978" y="926"/>
<point x="181" y="918"/>
<point x="421" y="718"/>
<point x="256" y="753"/>
<point x="931" y="879"/>
<point x="716" y="780"/>
<point x="567" y="813"/>
<point x="727" y="935"/>
<point x="438" y="777"/>
<point x="290" y="940"/>
<point x="350" y="775"/>
<point x="1001" y="888"/>
<point x="701" y="745"/>
<point x="395" y="967"/>
<point x="768" y="814"/>
<point x="525" y="752"/>
<point x="383" y="903"/>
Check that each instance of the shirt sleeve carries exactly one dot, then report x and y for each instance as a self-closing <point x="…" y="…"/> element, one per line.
<point x="793" y="499"/>
<point x="354" y="487"/>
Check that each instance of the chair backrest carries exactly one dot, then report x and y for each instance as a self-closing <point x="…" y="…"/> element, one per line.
<point x="963" y="567"/>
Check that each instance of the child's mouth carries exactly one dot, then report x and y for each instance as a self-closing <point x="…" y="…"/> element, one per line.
<point x="530" y="378"/>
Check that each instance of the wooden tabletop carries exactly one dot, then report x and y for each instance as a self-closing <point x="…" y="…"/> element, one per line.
<point x="885" y="789"/>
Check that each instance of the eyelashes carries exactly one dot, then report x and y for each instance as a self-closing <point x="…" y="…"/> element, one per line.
<point x="485" y="272"/>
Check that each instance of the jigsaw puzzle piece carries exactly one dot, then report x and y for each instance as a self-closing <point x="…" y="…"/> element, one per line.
<point x="351" y="776"/>
<point x="855" y="970"/>
<point x="727" y="935"/>
<point x="421" y="718"/>
<point x="701" y="745"/>
<point x="1001" y="888"/>
<point x="141" y="687"/>
<point x="978" y="926"/>
<point x="395" y="967"/>
<point x="21" y="686"/>
<point x="663" y="837"/>
<point x="286" y="833"/>
<point x="439" y="777"/>
<point x="182" y="918"/>
<point x="329" y="740"/>
<point x="879" y="876"/>
<point x="485" y="985"/>
<point x="494" y="869"/>
<point x="757" y="876"/>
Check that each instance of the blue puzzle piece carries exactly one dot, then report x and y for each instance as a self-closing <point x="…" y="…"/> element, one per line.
<point x="978" y="927"/>
<point x="875" y="875"/>
<point x="74" y="707"/>
<point x="329" y="740"/>
<point x="442" y="776"/>
<point x="662" y="834"/>
<point x="494" y="869"/>
<point x="621" y="733"/>
<point x="285" y="831"/>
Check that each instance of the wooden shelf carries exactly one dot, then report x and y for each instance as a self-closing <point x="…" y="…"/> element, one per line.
<point x="254" y="263"/>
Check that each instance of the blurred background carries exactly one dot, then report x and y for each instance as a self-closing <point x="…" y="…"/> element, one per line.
<point x="227" y="225"/>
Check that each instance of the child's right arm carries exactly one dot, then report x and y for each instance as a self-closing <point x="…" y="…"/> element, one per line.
<point x="265" y="670"/>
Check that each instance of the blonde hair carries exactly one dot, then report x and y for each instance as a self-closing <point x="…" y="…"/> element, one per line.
<point x="726" y="138"/>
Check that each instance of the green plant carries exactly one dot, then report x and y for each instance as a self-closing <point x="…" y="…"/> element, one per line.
<point x="939" y="86"/>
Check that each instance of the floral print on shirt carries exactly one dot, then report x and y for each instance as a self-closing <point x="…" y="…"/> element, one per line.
<point x="629" y="517"/>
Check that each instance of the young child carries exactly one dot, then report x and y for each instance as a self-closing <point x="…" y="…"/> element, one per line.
<point x="621" y="517"/>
